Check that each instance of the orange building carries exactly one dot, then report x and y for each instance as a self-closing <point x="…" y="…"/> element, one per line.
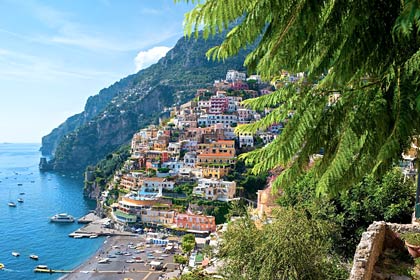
<point x="196" y="222"/>
<point x="215" y="172"/>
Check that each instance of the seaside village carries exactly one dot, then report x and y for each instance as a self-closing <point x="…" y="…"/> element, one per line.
<point x="190" y="154"/>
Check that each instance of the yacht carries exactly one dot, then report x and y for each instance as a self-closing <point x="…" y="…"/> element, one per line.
<point x="15" y="254"/>
<point x="12" y="204"/>
<point x="34" y="257"/>
<point x="62" y="218"/>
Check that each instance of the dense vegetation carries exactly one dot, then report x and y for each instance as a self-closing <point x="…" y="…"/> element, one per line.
<point x="390" y="199"/>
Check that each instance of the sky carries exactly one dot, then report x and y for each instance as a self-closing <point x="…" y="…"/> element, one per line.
<point x="54" y="54"/>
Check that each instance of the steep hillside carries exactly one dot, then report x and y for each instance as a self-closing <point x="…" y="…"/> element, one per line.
<point x="111" y="117"/>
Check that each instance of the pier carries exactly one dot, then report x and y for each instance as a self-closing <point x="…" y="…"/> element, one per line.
<point x="96" y="228"/>
<point x="91" y="217"/>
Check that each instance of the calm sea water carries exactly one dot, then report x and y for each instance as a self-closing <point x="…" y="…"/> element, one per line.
<point x="26" y="228"/>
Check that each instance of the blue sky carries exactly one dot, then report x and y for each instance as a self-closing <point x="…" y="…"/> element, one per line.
<point x="54" y="54"/>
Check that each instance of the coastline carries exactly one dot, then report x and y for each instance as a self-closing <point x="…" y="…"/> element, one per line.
<point x="120" y="252"/>
<point x="106" y="246"/>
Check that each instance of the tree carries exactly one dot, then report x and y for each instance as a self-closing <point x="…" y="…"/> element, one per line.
<point x="292" y="246"/>
<point x="188" y="243"/>
<point x="182" y="261"/>
<point x="359" y="100"/>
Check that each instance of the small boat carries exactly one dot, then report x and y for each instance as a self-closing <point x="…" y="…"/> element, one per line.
<point x="19" y="184"/>
<point x="21" y="193"/>
<point x="20" y="200"/>
<point x="93" y="236"/>
<point x="11" y="204"/>
<point x="77" y="236"/>
<point x="34" y="257"/>
<point x="41" y="266"/>
<point x="15" y="254"/>
<point x="62" y="218"/>
<point x="1" y="266"/>
<point x="104" y="260"/>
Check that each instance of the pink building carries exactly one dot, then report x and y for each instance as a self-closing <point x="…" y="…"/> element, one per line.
<point x="218" y="104"/>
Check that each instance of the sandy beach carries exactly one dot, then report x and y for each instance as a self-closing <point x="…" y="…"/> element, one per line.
<point x="125" y="260"/>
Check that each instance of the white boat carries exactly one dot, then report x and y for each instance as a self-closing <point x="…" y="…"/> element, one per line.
<point x="11" y="203"/>
<point x="93" y="236"/>
<point x="105" y="260"/>
<point x="34" y="257"/>
<point x="77" y="236"/>
<point x="62" y="218"/>
<point x="20" y="200"/>
<point x="16" y="254"/>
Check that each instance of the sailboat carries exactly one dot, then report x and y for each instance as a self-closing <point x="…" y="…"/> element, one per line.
<point x="11" y="203"/>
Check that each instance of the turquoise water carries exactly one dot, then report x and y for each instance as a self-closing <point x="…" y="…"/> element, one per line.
<point x="26" y="228"/>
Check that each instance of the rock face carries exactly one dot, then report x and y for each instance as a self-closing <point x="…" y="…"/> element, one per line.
<point x="116" y="113"/>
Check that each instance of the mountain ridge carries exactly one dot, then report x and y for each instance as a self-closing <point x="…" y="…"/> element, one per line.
<point x="118" y="111"/>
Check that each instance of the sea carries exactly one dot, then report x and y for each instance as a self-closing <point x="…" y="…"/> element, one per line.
<point x="26" y="228"/>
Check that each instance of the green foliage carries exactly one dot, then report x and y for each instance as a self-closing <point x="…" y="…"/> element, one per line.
<point x="412" y="238"/>
<point x="390" y="199"/>
<point x="292" y="246"/>
<point x="180" y="259"/>
<point x="185" y="188"/>
<point x="188" y="243"/>
<point x="163" y="170"/>
<point x="196" y="274"/>
<point x="367" y="53"/>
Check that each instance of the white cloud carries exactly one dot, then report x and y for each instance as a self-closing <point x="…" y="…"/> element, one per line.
<point x="150" y="56"/>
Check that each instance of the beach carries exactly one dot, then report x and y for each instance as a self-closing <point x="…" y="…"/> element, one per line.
<point x="121" y="258"/>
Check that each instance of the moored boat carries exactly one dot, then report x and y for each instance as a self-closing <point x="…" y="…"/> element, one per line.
<point x="1" y="266"/>
<point x="16" y="254"/>
<point x="62" y="218"/>
<point x="20" y="200"/>
<point x="34" y="257"/>
<point x="11" y="204"/>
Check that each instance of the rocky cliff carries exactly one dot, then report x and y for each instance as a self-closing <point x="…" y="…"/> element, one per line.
<point x="116" y="113"/>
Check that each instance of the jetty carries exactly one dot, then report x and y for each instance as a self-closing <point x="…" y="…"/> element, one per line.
<point x="97" y="228"/>
<point x="91" y="217"/>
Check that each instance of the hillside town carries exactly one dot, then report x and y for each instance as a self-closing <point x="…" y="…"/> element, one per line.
<point x="179" y="169"/>
<point x="196" y="146"/>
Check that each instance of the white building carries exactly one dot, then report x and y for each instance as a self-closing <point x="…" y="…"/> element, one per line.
<point x="226" y="120"/>
<point x="245" y="139"/>
<point x="233" y="75"/>
<point x="157" y="184"/>
<point x="190" y="159"/>
<point x="213" y="189"/>
<point x="255" y="78"/>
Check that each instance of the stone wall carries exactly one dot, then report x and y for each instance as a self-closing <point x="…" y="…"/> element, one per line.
<point x="372" y="244"/>
<point x="368" y="251"/>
